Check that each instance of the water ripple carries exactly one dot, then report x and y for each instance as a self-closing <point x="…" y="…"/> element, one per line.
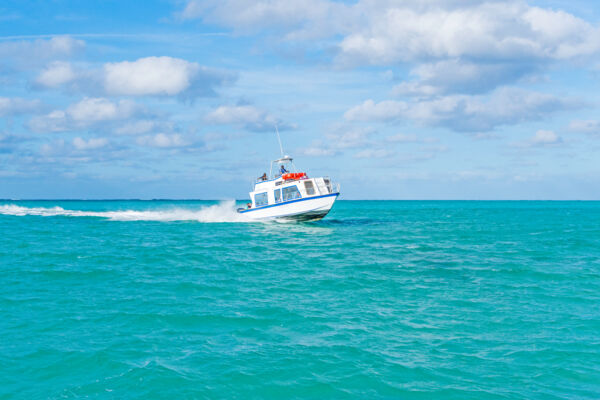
<point x="412" y="300"/>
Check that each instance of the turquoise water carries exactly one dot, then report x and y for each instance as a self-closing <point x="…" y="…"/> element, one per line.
<point x="390" y="299"/>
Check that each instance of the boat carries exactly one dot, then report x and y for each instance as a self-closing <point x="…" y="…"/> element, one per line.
<point x="286" y="194"/>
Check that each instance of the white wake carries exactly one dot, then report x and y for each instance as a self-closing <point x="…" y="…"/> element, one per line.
<point x="222" y="212"/>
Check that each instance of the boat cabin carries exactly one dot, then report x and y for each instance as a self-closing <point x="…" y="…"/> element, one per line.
<point x="285" y="184"/>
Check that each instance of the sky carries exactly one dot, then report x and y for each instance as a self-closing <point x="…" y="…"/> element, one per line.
<point x="406" y="99"/>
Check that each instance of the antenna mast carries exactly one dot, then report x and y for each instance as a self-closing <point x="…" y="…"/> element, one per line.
<point x="279" y="139"/>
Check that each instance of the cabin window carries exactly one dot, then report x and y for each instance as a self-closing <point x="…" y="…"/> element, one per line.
<point x="310" y="189"/>
<point x="278" y="196"/>
<point x="261" y="199"/>
<point x="291" y="193"/>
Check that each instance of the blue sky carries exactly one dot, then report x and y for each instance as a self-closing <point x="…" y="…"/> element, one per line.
<point x="424" y="99"/>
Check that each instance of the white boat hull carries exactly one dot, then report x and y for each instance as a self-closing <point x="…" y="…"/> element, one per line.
<point x="305" y="209"/>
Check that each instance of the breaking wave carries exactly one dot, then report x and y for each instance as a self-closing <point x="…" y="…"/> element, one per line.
<point x="222" y="212"/>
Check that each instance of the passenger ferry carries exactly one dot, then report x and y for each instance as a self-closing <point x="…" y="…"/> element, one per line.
<point x="290" y="195"/>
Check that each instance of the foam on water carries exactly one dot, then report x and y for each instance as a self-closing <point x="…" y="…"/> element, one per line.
<point x="222" y="212"/>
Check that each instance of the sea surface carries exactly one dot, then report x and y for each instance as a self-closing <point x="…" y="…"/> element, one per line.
<point x="380" y="300"/>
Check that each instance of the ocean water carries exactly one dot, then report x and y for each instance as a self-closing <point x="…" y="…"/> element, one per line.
<point x="381" y="300"/>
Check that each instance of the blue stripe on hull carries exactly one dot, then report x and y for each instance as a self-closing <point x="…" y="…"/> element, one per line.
<point x="289" y="202"/>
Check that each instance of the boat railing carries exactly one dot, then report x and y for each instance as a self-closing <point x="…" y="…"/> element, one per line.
<point x="332" y="187"/>
<point x="335" y="187"/>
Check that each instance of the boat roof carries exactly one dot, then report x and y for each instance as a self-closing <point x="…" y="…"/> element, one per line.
<point x="283" y="159"/>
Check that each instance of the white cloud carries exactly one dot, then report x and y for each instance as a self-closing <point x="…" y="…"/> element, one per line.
<point x="585" y="126"/>
<point x="350" y="137"/>
<point x="416" y="89"/>
<point x="149" y="76"/>
<point x="560" y="34"/>
<point x="64" y="45"/>
<point x="246" y="116"/>
<point x="466" y="47"/>
<point x="318" y="150"/>
<point x="16" y="105"/>
<point x="32" y="52"/>
<point x="543" y="137"/>
<point x="457" y="76"/>
<point x="56" y="74"/>
<point x="237" y="115"/>
<point x="375" y="153"/>
<point x="143" y="126"/>
<point x="302" y="19"/>
<point x="388" y="32"/>
<point x="490" y="30"/>
<point x="163" y="140"/>
<point x="338" y="139"/>
<point x="161" y="76"/>
<point x="83" y="114"/>
<point x="505" y="106"/>
<point x="383" y="111"/>
<point x="485" y="136"/>
<point x="52" y="149"/>
<point x="90" y="144"/>
<point x="91" y="110"/>
<point x="78" y="150"/>
<point x="54" y="121"/>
